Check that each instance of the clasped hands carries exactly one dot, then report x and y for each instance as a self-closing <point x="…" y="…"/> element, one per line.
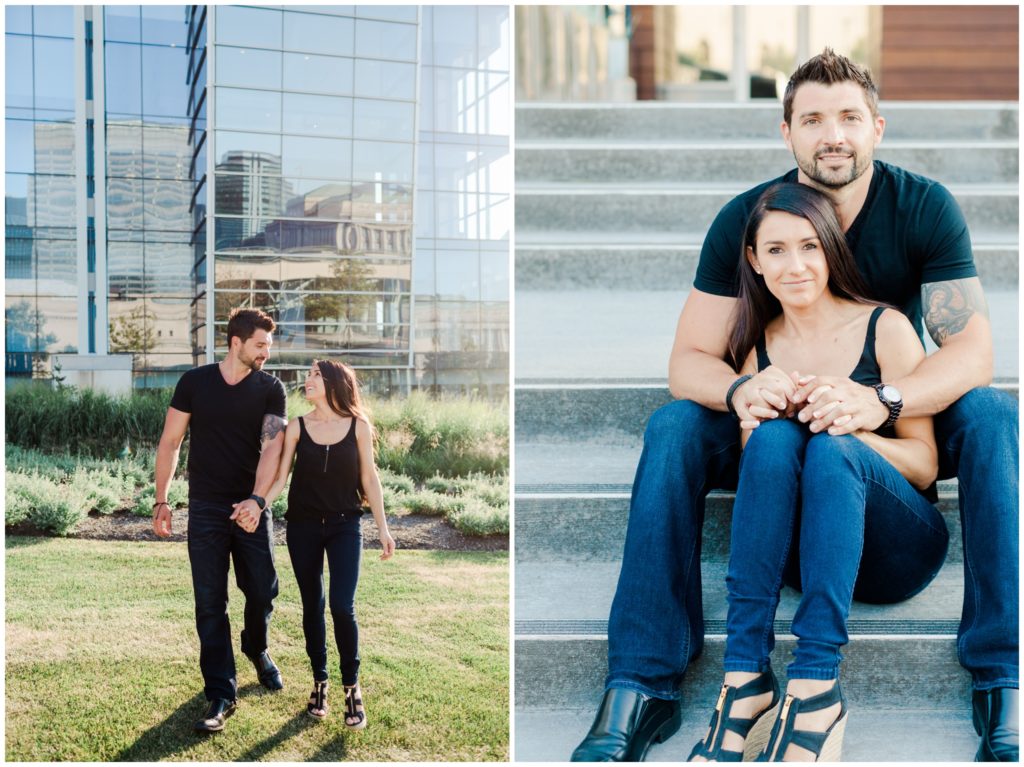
<point x="831" y="403"/>
<point x="246" y="514"/>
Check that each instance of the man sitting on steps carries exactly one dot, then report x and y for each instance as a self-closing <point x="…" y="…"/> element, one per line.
<point x="912" y="246"/>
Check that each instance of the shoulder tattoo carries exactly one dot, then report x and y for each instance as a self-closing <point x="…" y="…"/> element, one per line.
<point x="272" y="426"/>
<point x="948" y="306"/>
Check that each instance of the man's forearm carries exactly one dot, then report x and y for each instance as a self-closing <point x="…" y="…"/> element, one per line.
<point x="944" y="377"/>
<point x="702" y="378"/>
<point x="266" y="470"/>
<point x="166" y="461"/>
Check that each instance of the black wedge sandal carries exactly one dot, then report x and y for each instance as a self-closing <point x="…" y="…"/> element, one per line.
<point x="353" y="708"/>
<point x="317" y="706"/>
<point x="826" y="746"/>
<point x="755" y="731"/>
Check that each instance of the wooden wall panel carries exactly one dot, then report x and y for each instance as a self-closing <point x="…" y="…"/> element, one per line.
<point x="951" y="52"/>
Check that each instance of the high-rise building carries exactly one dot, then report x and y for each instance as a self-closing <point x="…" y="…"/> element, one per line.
<point x="345" y="168"/>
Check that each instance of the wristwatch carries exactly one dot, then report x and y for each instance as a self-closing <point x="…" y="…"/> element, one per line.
<point x="259" y="501"/>
<point x="890" y="396"/>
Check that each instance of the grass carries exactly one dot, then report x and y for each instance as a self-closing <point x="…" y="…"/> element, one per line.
<point x="100" y="638"/>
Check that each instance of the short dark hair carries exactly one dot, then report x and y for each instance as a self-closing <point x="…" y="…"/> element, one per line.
<point x="244" y="322"/>
<point x="829" y="68"/>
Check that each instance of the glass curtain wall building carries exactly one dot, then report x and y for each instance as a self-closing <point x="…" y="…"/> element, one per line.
<point x="345" y="168"/>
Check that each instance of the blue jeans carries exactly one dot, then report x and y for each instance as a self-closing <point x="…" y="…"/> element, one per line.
<point x="342" y="540"/>
<point x="656" y="623"/>
<point x="214" y="540"/>
<point x="860" y="523"/>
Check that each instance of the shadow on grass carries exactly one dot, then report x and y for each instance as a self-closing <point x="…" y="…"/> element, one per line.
<point x="17" y="538"/>
<point x="171" y="736"/>
<point x="297" y="724"/>
<point x="332" y="751"/>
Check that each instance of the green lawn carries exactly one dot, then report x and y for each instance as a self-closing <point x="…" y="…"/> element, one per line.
<point x="103" y="660"/>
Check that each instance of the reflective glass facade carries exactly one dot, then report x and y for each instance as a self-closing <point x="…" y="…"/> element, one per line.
<point x="345" y="168"/>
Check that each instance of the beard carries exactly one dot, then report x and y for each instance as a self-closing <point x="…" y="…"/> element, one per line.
<point x="253" y="363"/>
<point x="833" y="179"/>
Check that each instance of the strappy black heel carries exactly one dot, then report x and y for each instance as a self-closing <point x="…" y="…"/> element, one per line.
<point x="755" y="731"/>
<point x="317" y="706"/>
<point x="826" y="746"/>
<point x="353" y="704"/>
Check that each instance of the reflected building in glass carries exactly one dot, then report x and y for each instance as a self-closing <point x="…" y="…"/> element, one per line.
<point x="345" y="168"/>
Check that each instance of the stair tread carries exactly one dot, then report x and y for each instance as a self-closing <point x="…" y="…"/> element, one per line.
<point x="872" y="735"/>
<point x="574" y="598"/>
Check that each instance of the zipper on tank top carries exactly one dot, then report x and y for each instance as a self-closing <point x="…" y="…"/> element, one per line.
<point x="327" y="453"/>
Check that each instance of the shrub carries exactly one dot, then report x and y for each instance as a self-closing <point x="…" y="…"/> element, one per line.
<point x="48" y="505"/>
<point x="18" y="496"/>
<point x="396" y="482"/>
<point x="99" y="490"/>
<point x="177" y="496"/>
<point x="429" y="502"/>
<point x="478" y="518"/>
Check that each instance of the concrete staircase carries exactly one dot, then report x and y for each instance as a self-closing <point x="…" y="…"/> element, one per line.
<point x="612" y="203"/>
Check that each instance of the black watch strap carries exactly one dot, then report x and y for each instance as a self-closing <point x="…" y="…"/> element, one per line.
<point x="261" y="502"/>
<point x="895" y="408"/>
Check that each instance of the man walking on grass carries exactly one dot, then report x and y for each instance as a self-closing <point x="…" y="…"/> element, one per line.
<point x="236" y="413"/>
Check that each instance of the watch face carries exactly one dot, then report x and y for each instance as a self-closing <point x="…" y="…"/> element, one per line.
<point x="891" y="394"/>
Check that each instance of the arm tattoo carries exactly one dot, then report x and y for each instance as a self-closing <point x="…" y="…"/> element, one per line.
<point x="272" y="426"/>
<point x="949" y="306"/>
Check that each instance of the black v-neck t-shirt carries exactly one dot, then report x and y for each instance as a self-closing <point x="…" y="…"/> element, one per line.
<point x="224" y="429"/>
<point x="909" y="232"/>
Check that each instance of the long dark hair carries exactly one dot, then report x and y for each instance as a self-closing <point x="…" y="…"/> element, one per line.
<point x="756" y="306"/>
<point x="342" y="389"/>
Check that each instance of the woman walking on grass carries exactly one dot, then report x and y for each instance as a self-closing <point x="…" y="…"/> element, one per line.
<point x="335" y="474"/>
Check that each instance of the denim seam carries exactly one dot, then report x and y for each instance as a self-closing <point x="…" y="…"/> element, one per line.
<point x="769" y="626"/>
<point x="628" y="684"/>
<point x="996" y="684"/>
<point x="969" y="572"/>
<point x="904" y="504"/>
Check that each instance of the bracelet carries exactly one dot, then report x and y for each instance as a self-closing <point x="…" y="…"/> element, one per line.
<point x="161" y="503"/>
<point x="732" y="390"/>
<point x="259" y="501"/>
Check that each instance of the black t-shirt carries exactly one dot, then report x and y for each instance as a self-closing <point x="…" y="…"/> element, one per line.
<point x="224" y="442"/>
<point x="909" y="232"/>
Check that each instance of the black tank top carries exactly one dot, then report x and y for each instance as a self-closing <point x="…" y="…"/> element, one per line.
<point x="326" y="479"/>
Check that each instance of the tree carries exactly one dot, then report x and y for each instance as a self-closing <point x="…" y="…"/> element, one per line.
<point x="353" y="276"/>
<point x="133" y="333"/>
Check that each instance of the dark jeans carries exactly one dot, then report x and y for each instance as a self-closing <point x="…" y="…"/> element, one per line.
<point x="214" y="540"/>
<point x="656" y="625"/>
<point x="342" y="540"/>
<point x="859" y="523"/>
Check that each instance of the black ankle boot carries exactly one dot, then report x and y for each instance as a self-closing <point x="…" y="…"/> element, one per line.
<point x="997" y="721"/>
<point x="626" y="725"/>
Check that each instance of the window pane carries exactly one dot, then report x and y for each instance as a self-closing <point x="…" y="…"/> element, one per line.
<point x="322" y="115"/>
<point x="20" y="152"/>
<point x="124" y="149"/>
<point x="54" y="148"/>
<point x="316" y="157"/>
<point x="19" y="19"/>
<point x="384" y="119"/>
<point x="318" y="34"/>
<point x="379" y="161"/>
<point x="123" y="65"/>
<point x="455" y="168"/>
<point x="248" y="67"/>
<point x="384" y="40"/>
<point x="495" y="118"/>
<point x="231" y="146"/>
<point x="168" y="154"/>
<point x="58" y="323"/>
<point x="125" y="262"/>
<point x="124" y="203"/>
<point x="458" y="274"/>
<point x="54" y="200"/>
<point x="54" y="73"/>
<point x="121" y="22"/>
<point x="495" y="170"/>
<point x="58" y="20"/>
<point x="494" y="37"/>
<point x="257" y="27"/>
<point x="167" y="268"/>
<point x="455" y="36"/>
<point x="387" y="203"/>
<point x="165" y="25"/>
<point x="327" y="74"/>
<point x="494" y="276"/>
<point x="16" y="200"/>
<point x="248" y="110"/>
<point x="56" y="267"/>
<point x="19" y="69"/>
<point x="164" y="90"/>
<point x="391" y="12"/>
<point x="455" y="101"/>
<point x="385" y="79"/>
<point x="250" y="194"/>
<point x="166" y="204"/>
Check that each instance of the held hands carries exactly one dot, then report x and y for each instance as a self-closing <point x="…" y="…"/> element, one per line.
<point x="387" y="543"/>
<point x="834" y="403"/>
<point x="247" y="514"/>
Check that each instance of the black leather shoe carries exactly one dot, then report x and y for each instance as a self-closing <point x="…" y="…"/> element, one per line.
<point x="997" y="721"/>
<point x="267" y="671"/>
<point x="216" y="714"/>
<point x="626" y="724"/>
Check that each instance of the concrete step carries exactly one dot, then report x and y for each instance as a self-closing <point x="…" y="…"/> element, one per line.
<point x="548" y="523"/>
<point x="566" y="597"/>
<point x="606" y="335"/>
<point x="991" y="210"/>
<point x="910" y="665"/>
<point x="575" y="261"/>
<point x="882" y="735"/>
<point x="659" y="121"/>
<point x="636" y="162"/>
